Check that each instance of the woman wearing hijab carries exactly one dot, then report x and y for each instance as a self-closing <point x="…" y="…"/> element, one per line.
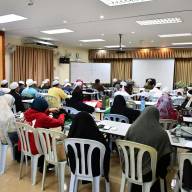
<point x="7" y="119"/>
<point x="119" y="107"/>
<point x="40" y="113"/>
<point x="84" y="126"/>
<point x="165" y="106"/>
<point x="147" y="130"/>
<point x="76" y="101"/>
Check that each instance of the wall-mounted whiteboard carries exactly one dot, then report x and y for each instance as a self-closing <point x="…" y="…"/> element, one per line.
<point x="160" y="69"/>
<point x="88" y="72"/>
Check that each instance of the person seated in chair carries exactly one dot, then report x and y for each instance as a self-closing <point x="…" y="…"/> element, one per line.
<point x="148" y="131"/>
<point x="84" y="127"/>
<point x="98" y="86"/>
<point x="119" y="107"/>
<point x="76" y="101"/>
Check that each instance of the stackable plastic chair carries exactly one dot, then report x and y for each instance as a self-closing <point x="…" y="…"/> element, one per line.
<point x="182" y="157"/>
<point x="131" y="104"/>
<point x="24" y="130"/>
<point x="116" y="117"/>
<point x="131" y="155"/>
<point x="52" y="101"/>
<point x="71" y="110"/>
<point x="81" y="161"/>
<point x="48" y="140"/>
<point x="167" y="123"/>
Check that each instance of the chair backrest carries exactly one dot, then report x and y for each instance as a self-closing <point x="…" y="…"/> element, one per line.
<point x="71" y="110"/>
<point x="82" y="161"/>
<point x="116" y="117"/>
<point x="182" y="158"/>
<point x="48" y="141"/>
<point x="24" y="132"/>
<point x="131" y="155"/>
<point x="167" y="123"/>
<point x="52" y="101"/>
<point x="131" y="104"/>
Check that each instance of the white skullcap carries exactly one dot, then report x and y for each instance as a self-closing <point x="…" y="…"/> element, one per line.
<point x="35" y="82"/>
<point x="14" y="85"/>
<point x="158" y="85"/>
<point x="22" y="82"/>
<point x="46" y="81"/>
<point x="114" y="80"/>
<point x="4" y="82"/>
<point x="66" y="81"/>
<point x="29" y="82"/>
<point x="166" y="90"/>
<point x="56" y="78"/>
<point x="123" y="83"/>
<point x="67" y="84"/>
<point x="55" y="82"/>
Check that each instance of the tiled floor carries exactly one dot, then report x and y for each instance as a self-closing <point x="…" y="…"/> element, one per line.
<point x="9" y="182"/>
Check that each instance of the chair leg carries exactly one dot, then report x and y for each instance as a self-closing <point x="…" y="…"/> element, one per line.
<point x="96" y="184"/>
<point x="61" y="175"/>
<point x="123" y="181"/>
<point x="3" y="156"/>
<point x="146" y="187"/>
<point x="44" y="174"/>
<point x="107" y="186"/>
<point x="34" y="164"/>
<point x="73" y="183"/>
<point x="162" y="185"/>
<point x="129" y="186"/>
<point x="21" y="165"/>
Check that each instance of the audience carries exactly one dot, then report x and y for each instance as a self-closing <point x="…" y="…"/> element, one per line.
<point x="57" y="92"/>
<point x="45" y="84"/>
<point x="98" y="86"/>
<point x="165" y="106"/>
<point x="76" y="101"/>
<point x="21" y="86"/>
<point x="147" y="130"/>
<point x="84" y="126"/>
<point x="119" y="107"/>
<point x="29" y="92"/>
<point x="14" y="86"/>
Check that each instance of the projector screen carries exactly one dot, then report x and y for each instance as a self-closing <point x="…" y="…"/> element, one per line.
<point x="88" y="72"/>
<point x="160" y="69"/>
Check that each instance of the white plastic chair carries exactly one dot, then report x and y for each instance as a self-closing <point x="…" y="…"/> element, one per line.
<point x="182" y="158"/>
<point x="24" y="130"/>
<point x="167" y="123"/>
<point x="48" y="140"/>
<point x="75" y="177"/>
<point x="131" y="104"/>
<point x="71" y="110"/>
<point x="116" y="117"/>
<point x="131" y="155"/>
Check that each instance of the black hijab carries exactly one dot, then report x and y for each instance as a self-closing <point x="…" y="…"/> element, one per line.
<point x="119" y="105"/>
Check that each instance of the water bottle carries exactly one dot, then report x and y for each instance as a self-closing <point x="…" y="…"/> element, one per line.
<point x="142" y="103"/>
<point x="103" y="102"/>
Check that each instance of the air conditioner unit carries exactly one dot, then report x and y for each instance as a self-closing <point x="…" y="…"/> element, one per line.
<point x="38" y="42"/>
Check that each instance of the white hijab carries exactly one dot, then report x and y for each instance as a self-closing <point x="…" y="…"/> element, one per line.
<point x="7" y="119"/>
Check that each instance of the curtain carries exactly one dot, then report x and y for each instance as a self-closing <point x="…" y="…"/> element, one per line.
<point x="183" y="70"/>
<point x="34" y="63"/>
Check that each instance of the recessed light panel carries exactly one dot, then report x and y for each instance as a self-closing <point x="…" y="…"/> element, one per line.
<point x="184" y="43"/>
<point x="160" y="21"/>
<point x="122" y="2"/>
<point x="11" y="18"/>
<point x="91" y="40"/>
<point x="57" y="31"/>
<point x="176" y="35"/>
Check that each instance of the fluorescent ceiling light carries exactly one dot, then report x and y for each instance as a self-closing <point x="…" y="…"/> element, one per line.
<point x="122" y="2"/>
<point x="184" y="43"/>
<point x="176" y="35"/>
<point x="91" y="40"/>
<point x="160" y="21"/>
<point x="11" y="18"/>
<point x="114" y="46"/>
<point x="57" y="31"/>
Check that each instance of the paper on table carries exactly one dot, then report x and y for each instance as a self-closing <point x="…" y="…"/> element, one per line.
<point x="91" y="103"/>
<point x="188" y="144"/>
<point x="187" y="119"/>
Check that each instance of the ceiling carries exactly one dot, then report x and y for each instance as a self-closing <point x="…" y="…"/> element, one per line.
<point x="83" y="17"/>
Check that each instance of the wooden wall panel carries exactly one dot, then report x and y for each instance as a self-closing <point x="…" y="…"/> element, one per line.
<point x="2" y="55"/>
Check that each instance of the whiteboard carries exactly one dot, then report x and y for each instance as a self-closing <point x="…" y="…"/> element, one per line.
<point x="88" y="72"/>
<point x="160" y="69"/>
